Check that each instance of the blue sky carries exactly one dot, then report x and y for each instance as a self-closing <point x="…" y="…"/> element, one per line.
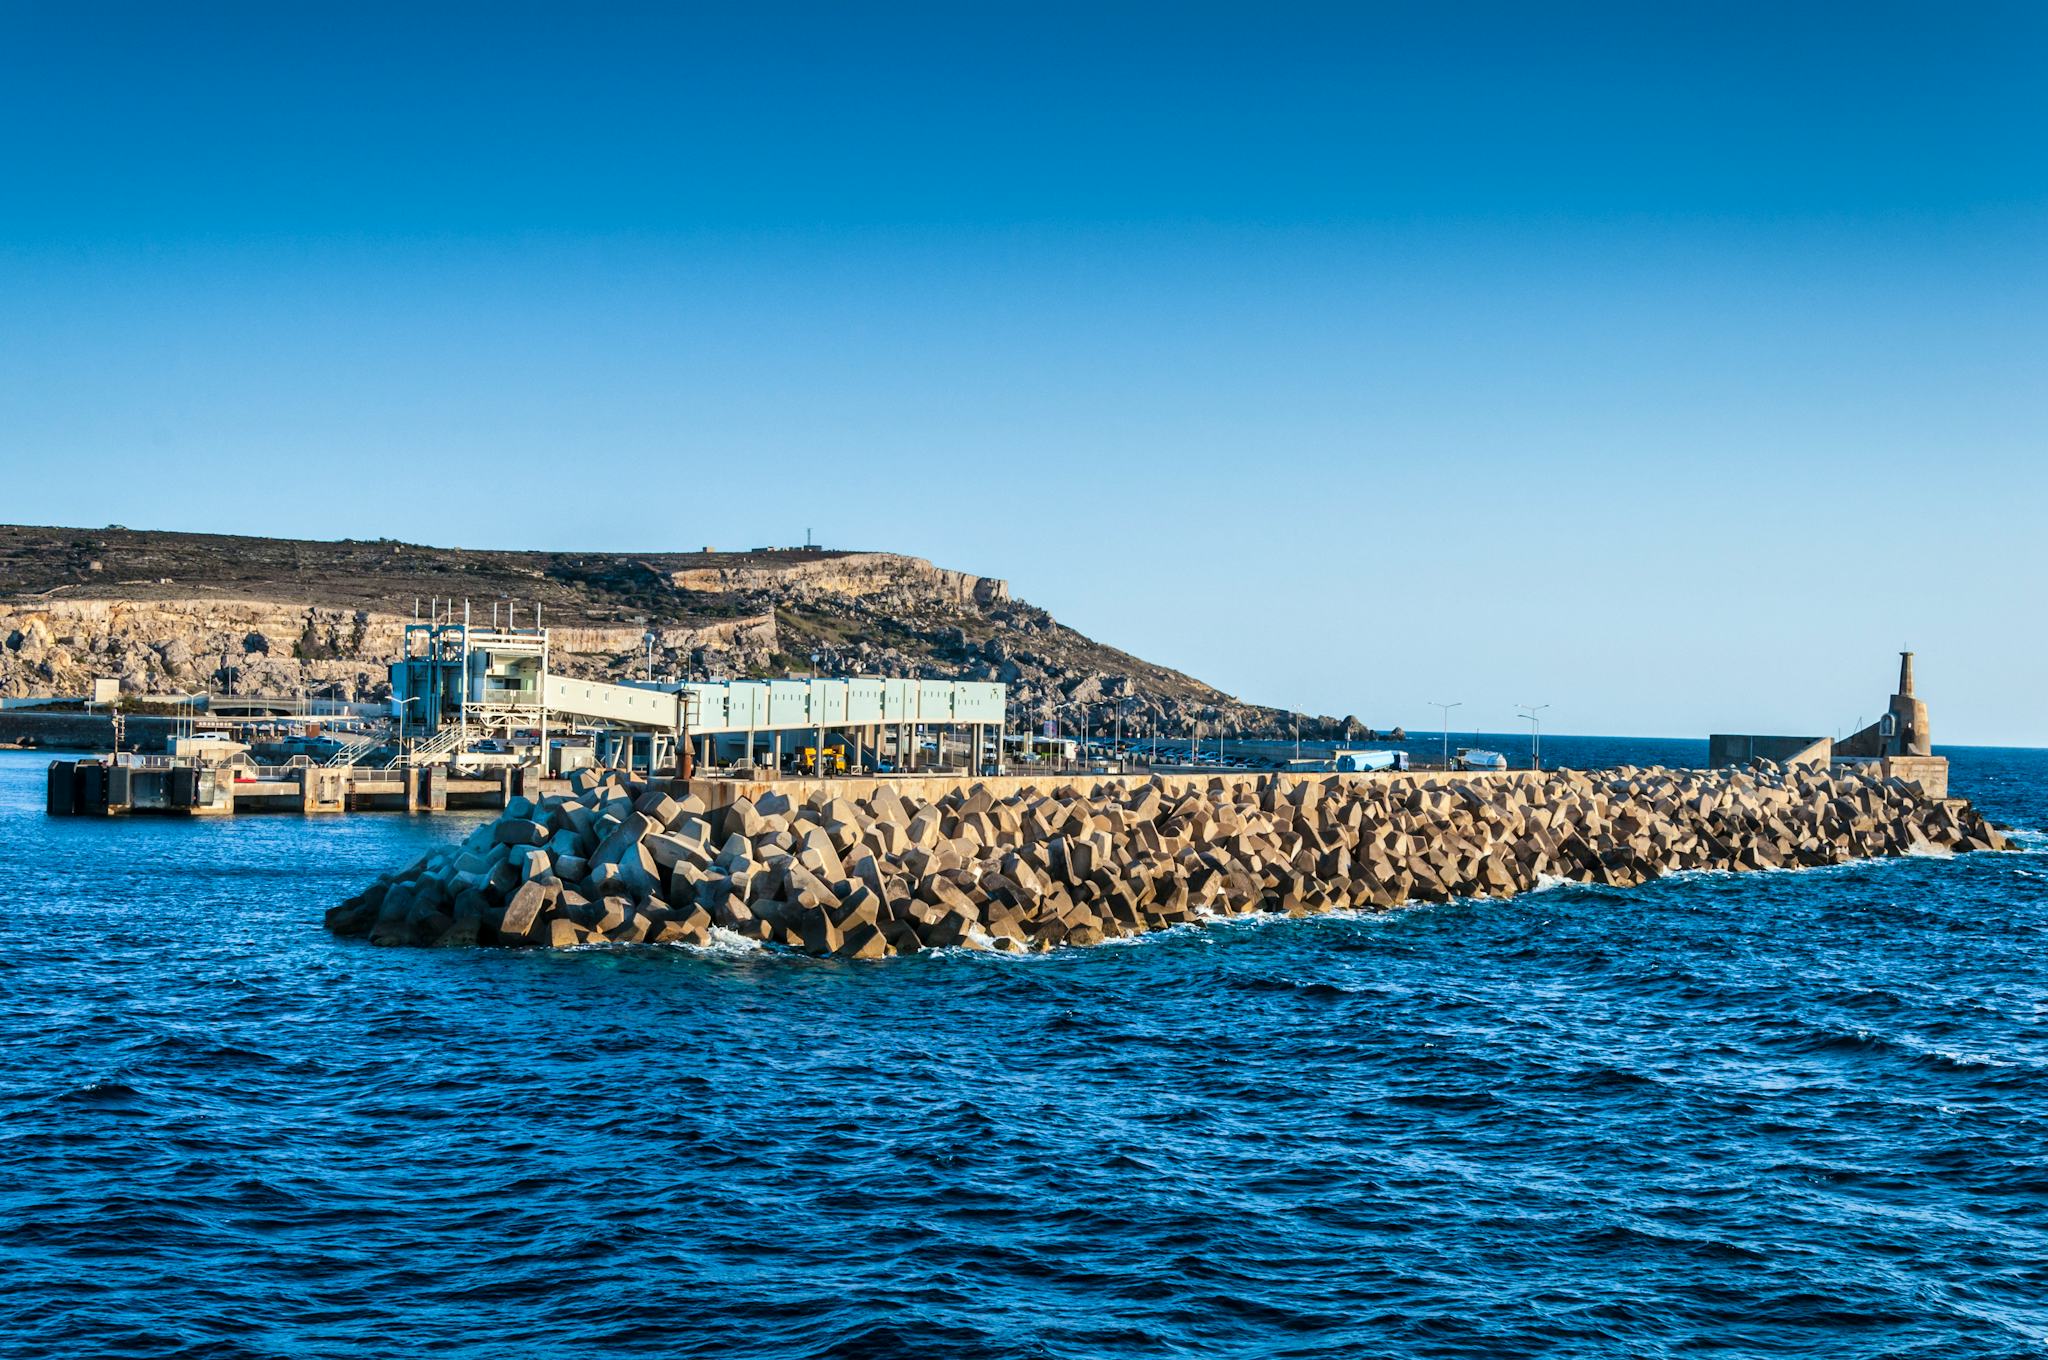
<point x="1673" y="365"/>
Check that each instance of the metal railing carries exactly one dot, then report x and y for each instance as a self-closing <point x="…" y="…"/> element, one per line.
<point x="442" y="743"/>
<point x="355" y="750"/>
<point x="244" y="767"/>
<point x="136" y="761"/>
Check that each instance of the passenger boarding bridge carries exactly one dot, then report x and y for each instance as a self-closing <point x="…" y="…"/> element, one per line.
<point x="458" y="688"/>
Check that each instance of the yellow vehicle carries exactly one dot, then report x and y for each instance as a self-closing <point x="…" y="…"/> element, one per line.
<point x="806" y="760"/>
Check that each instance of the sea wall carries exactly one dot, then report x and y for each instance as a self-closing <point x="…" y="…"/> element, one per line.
<point x="75" y="731"/>
<point x="1036" y="867"/>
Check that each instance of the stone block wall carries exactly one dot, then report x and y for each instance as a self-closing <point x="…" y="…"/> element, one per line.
<point x="1727" y="751"/>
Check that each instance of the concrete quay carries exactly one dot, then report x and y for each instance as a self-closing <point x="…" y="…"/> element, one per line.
<point x="120" y="785"/>
<point x="1929" y="773"/>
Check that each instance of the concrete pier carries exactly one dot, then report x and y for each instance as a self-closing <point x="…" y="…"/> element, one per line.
<point x="117" y="786"/>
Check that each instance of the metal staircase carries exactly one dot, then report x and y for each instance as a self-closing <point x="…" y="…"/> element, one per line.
<point x="355" y="751"/>
<point x="430" y="751"/>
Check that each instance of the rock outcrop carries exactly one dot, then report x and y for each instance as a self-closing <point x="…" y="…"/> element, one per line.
<point x="178" y="646"/>
<point x="878" y="578"/>
<point x="1034" y="868"/>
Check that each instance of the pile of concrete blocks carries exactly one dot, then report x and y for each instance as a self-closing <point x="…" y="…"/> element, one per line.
<point x="1034" y="868"/>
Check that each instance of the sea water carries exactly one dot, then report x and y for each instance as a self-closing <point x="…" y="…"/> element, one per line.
<point x="1762" y="1114"/>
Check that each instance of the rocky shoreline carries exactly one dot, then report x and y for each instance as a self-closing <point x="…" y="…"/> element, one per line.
<point x="1034" y="868"/>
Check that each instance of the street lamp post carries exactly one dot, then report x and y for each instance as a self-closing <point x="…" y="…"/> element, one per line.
<point x="407" y="702"/>
<point x="1529" y="712"/>
<point x="1447" y="726"/>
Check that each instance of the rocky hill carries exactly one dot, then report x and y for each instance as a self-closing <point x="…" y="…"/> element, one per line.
<point x="173" y="613"/>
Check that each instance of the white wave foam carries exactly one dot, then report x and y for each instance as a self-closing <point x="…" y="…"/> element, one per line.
<point x="723" y="941"/>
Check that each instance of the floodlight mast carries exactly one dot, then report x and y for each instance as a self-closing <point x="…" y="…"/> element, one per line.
<point x="1529" y="712"/>
<point x="1447" y="726"/>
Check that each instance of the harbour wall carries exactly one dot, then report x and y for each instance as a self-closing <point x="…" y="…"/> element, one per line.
<point x="866" y="869"/>
<point x="85" y="732"/>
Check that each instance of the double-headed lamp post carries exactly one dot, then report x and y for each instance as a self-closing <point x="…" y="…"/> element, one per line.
<point x="403" y="704"/>
<point x="1529" y="712"/>
<point x="1447" y="726"/>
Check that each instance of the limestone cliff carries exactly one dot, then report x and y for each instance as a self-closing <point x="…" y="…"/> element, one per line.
<point x="876" y="577"/>
<point x="179" y="646"/>
<point x="172" y="613"/>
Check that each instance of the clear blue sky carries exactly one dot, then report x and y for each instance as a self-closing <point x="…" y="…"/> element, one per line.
<point x="1671" y="364"/>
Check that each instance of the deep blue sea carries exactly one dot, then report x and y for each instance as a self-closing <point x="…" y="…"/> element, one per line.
<point x="1763" y="1115"/>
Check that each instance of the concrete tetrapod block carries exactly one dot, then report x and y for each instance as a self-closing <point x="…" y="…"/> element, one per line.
<point x="1037" y="868"/>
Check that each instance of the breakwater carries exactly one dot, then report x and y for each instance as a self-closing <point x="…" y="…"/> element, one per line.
<point x="1076" y="863"/>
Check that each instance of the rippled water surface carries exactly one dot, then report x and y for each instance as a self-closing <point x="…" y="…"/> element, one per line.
<point x="1761" y="1115"/>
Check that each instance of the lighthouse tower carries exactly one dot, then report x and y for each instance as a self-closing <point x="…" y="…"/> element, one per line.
<point x="1909" y="735"/>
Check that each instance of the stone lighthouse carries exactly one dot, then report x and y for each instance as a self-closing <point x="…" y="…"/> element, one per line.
<point x="1909" y="716"/>
<point x="1902" y="731"/>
